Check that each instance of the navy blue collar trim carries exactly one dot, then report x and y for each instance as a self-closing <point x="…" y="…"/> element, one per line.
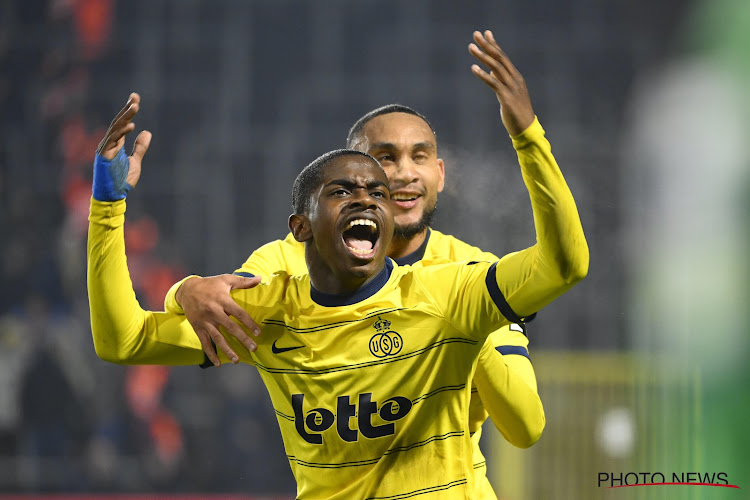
<point x="362" y="293"/>
<point x="417" y="254"/>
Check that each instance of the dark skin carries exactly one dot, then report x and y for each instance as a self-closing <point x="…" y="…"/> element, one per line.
<point x="207" y="302"/>
<point x="354" y="187"/>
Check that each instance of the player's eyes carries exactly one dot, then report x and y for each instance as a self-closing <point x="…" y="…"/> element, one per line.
<point x="384" y="158"/>
<point x="420" y="158"/>
<point x="378" y="194"/>
<point x="340" y="192"/>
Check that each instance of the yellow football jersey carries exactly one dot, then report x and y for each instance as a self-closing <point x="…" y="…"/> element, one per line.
<point x="371" y="390"/>
<point x="289" y="255"/>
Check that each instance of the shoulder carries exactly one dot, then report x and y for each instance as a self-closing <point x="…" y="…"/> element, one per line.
<point x="287" y="254"/>
<point x="440" y="274"/>
<point x="280" y="288"/>
<point x="287" y="246"/>
<point x="446" y="247"/>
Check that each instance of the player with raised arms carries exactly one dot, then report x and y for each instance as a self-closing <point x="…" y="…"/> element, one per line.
<point x="405" y="144"/>
<point x="349" y="352"/>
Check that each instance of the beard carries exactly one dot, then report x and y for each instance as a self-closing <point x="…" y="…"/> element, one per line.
<point x="408" y="231"/>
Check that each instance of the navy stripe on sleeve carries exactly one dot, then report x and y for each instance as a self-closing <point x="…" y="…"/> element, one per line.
<point x="243" y="273"/>
<point x="513" y="349"/>
<point x="497" y="295"/>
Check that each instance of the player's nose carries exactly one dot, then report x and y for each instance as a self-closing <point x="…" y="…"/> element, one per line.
<point x="362" y="198"/>
<point x="403" y="173"/>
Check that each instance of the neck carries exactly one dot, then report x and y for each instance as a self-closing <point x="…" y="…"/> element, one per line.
<point x="401" y="247"/>
<point x="338" y="281"/>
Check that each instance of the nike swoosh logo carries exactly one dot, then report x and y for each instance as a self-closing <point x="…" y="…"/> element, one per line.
<point x="279" y="350"/>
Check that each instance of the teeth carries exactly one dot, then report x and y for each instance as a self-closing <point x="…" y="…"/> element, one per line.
<point x="403" y="197"/>
<point x="358" y="250"/>
<point x="362" y="222"/>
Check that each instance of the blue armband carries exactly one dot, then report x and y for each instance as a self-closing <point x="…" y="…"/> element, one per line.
<point x="109" y="177"/>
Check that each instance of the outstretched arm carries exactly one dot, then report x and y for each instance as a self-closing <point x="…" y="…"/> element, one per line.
<point x="532" y="278"/>
<point x="123" y="332"/>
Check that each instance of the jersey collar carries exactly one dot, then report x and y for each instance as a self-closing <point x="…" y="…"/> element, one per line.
<point x="362" y="293"/>
<point x="417" y="254"/>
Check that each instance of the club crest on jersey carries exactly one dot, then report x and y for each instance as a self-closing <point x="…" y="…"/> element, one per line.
<point x="386" y="342"/>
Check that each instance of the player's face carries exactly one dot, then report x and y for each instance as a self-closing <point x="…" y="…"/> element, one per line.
<point x="352" y="220"/>
<point x="406" y="148"/>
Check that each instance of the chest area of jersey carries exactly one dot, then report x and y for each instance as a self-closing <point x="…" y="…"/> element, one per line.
<point x="380" y="337"/>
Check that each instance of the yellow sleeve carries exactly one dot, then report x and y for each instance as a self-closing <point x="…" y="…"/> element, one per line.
<point x="123" y="332"/>
<point x="287" y="255"/>
<point x="506" y="385"/>
<point x="530" y="279"/>
<point x="170" y="299"/>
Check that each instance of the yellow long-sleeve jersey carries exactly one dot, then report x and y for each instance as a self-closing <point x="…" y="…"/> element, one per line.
<point x="504" y="360"/>
<point x="372" y="392"/>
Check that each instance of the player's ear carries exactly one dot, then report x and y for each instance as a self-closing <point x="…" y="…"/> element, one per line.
<point x="299" y="225"/>
<point x="441" y="174"/>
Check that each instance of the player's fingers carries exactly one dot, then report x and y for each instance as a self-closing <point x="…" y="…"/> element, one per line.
<point x="488" y="43"/>
<point x="500" y="71"/>
<point x="120" y="132"/>
<point x="241" y="282"/>
<point x="120" y="126"/>
<point x="489" y="79"/>
<point x="114" y="140"/>
<point x="131" y="99"/>
<point x="222" y="344"/>
<point x="502" y="56"/>
<point x="208" y="348"/>
<point x="243" y="317"/>
<point x="141" y="145"/>
<point x="237" y="332"/>
<point x="125" y="116"/>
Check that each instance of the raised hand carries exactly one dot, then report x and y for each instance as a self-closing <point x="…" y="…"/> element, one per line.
<point x="114" y="172"/>
<point x="208" y="305"/>
<point x="508" y="84"/>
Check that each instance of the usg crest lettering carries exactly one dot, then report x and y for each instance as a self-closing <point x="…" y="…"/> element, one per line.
<point x="386" y="342"/>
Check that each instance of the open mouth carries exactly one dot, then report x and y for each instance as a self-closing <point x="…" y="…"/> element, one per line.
<point x="405" y="200"/>
<point x="361" y="237"/>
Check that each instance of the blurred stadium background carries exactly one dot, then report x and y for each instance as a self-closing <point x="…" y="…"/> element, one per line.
<point x="642" y="367"/>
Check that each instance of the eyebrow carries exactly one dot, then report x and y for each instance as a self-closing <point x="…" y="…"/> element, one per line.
<point x="348" y="184"/>
<point x="389" y="145"/>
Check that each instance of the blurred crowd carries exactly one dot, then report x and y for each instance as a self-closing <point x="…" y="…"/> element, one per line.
<point x="69" y="422"/>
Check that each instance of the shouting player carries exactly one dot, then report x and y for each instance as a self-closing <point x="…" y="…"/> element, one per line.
<point x="368" y="363"/>
<point x="404" y="143"/>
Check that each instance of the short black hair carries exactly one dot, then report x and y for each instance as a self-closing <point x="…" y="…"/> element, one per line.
<point x="312" y="176"/>
<point x="355" y="132"/>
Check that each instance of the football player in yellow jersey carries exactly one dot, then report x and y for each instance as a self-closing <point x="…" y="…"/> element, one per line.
<point x="404" y="433"/>
<point x="404" y="143"/>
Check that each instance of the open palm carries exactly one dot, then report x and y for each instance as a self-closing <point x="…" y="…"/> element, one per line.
<point x="114" y="140"/>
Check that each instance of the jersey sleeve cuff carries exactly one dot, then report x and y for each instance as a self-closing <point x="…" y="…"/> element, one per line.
<point x="170" y="300"/>
<point x="107" y="213"/>
<point x="532" y="134"/>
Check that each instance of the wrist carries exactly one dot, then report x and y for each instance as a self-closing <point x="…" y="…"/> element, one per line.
<point x="183" y="286"/>
<point x="110" y="177"/>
